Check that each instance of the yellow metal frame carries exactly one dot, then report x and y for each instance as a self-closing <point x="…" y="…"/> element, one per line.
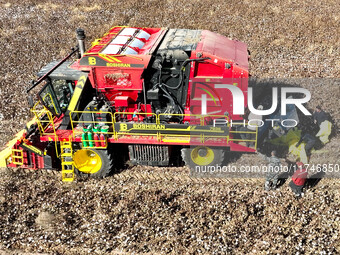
<point x="244" y="132"/>
<point x="136" y="134"/>
<point x="16" y="157"/>
<point x="55" y="108"/>
<point x="160" y="137"/>
<point x="49" y="123"/>
<point x="67" y="174"/>
<point x="43" y="125"/>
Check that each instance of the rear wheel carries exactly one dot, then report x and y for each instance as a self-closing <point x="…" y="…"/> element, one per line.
<point x="93" y="163"/>
<point x="202" y="156"/>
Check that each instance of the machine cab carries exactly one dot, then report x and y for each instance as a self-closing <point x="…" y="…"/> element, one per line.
<point x="58" y="90"/>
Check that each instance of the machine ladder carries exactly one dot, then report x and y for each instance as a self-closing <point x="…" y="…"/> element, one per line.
<point x="17" y="157"/>
<point x="66" y="156"/>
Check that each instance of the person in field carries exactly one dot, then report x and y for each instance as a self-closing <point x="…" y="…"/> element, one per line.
<point x="273" y="171"/>
<point x="309" y="141"/>
<point x="299" y="179"/>
<point x="321" y="119"/>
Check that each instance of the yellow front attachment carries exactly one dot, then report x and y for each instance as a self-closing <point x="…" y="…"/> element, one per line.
<point x="87" y="161"/>
<point x="17" y="157"/>
<point x="202" y="158"/>
<point x="7" y="152"/>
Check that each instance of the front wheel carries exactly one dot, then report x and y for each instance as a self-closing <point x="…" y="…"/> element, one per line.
<point x="202" y="156"/>
<point x="93" y="163"/>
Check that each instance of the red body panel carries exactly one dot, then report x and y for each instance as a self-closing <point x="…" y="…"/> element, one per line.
<point x="228" y="59"/>
<point x="116" y="65"/>
<point x="120" y="77"/>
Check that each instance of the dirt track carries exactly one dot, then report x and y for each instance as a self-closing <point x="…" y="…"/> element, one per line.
<point x="286" y="38"/>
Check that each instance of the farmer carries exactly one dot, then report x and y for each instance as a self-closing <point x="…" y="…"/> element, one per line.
<point x="299" y="179"/>
<point x="276" y="131"/>
<point x="309" y="141"/>
<point x="321" y="119"/>
<point x="272" y="171"/>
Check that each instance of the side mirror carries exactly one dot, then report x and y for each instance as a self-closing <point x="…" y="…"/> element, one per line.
<point x="30" y="101"/>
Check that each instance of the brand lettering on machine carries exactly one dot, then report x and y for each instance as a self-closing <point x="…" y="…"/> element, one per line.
<point x="148" y="126"/>
<point x="118" y="65"/>
<point x="124" y="127"/>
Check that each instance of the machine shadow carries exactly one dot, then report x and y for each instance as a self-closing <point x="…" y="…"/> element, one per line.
<point x="262" y="95"/>
<point x="283" y="177"/>
<point x="314" y="180"/>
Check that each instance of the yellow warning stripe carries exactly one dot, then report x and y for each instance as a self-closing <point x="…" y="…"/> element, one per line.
<point x="109" y="58"/>
<point x="77" y="92"/>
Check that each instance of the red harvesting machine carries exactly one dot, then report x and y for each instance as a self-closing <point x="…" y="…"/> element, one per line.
<point x="135" y="94"/>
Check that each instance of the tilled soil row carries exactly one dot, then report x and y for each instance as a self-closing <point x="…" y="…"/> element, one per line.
<point x="164" y="175"/>
<point x="42" y="214"/>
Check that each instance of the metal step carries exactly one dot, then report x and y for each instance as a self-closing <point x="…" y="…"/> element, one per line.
<point x="69" y="163"/>
<point x="66" y="154"/>
<point x="67" y="171"/>
<point x="67" y="167"/>
<point x="68" y="179"/>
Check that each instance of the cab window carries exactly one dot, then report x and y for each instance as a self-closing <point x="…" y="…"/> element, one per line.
<point x="56" y="95"/>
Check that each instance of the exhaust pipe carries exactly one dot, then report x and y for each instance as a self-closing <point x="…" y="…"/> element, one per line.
<point x="81" y="40"/>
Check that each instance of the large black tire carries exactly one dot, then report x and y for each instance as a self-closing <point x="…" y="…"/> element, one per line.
<point x="100" y="163"/>
<point x="202" y="156"/>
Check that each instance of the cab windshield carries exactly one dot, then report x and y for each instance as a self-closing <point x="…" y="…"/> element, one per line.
<point x="56" y="95"/>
